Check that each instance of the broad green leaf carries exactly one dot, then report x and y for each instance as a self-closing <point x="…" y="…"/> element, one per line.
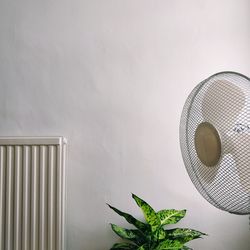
<point x="123" y="246"/>
<point x="159" y="234"/>
<point x="170" y="245"/>
<point x="151" y="235"/>
<point x="149" y="213"/>
<point x="143" y="247"/>
<point x="129" y="234"/>
<point x="184" y="234"/>
<point x="130" y="219"/>
<point x="170" y="216"/>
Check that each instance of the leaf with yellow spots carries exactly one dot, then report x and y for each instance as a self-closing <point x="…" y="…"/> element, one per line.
<point x="150" y="215"/>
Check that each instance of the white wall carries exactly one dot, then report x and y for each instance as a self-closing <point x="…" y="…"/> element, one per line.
<point x="112" y="76"/>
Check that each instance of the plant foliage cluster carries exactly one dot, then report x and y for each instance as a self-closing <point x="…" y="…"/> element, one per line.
<point x="152" y="235"/>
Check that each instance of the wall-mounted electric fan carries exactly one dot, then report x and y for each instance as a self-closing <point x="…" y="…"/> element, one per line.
<point x="215" y="140"/>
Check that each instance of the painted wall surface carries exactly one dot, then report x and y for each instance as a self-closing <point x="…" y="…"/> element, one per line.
<point x="112" y="77"/>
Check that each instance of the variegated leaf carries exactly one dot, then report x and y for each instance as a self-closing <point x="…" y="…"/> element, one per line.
<point x="170" y="216"/>
<point x="184" y="234"/>
<point x="159" y="234"/>
<point x="149" y="213"/>
<point x="123" y="246"/>
<point x="169" y="245"/>
<point x="129" y="234"/>
<point x="130" y="219"/>
<point x="143" y="247"/>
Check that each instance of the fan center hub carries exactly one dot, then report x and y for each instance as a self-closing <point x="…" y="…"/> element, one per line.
<point x="207" y="144"/>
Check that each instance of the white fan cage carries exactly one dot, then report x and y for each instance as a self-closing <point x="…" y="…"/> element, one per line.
<point x="222" y="100"/>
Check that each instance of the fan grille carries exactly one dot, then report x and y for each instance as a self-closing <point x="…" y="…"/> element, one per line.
<point x="224" y="101"/>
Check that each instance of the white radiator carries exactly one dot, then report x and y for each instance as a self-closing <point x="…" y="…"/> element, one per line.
<point x="32" y="193"/>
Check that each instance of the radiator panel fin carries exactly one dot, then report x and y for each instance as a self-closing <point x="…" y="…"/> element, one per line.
<point x="32" y="193"/>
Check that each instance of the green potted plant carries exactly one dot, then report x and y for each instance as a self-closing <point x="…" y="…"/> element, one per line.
<point x="152" y="235"/>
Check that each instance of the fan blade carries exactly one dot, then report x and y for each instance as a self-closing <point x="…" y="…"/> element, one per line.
<point x="223" y="102"/>
<point x="241" y="155"/>
<point x="207" y="174"/>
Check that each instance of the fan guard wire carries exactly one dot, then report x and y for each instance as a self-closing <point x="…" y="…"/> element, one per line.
<point x="224" y="101"/>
